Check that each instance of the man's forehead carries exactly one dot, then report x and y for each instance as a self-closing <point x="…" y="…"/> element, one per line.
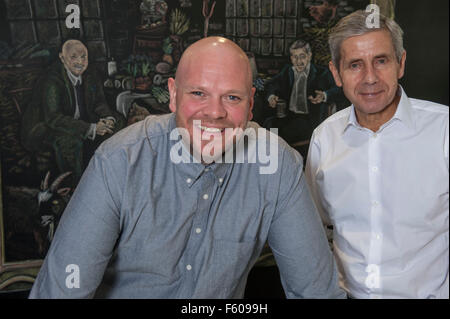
<point x="74" y="47"/>
<point x="371" y="43"/>
<point x="298" y="51"/>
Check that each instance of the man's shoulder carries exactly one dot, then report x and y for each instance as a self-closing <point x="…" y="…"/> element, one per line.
<point x="148" y="131"/>
<point x="429" y="107"/>
<point x="336" y="121"/>
<point x="271" y="140"/>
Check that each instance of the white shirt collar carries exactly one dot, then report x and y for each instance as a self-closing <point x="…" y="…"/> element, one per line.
<point x="73" y="78"/>
<point x="402" y="114"/>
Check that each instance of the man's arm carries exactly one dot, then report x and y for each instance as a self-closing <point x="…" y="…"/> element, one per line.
<point x="52" y="100"/>
<point x="298" y="241"/>
<point x="312" y="165"/>
<point x="277" y="85"/>
<point x="85" y="237"/>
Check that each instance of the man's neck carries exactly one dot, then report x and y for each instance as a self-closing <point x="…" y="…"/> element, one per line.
<point x="74" y="79"/>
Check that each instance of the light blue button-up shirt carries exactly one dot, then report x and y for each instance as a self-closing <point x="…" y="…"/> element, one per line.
<point x="141" y="226"/>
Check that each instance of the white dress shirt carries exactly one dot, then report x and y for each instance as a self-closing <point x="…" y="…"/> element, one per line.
<point x="298" y="102"/>
<point x="77" y="80"/>
<point x="386" y="195"/>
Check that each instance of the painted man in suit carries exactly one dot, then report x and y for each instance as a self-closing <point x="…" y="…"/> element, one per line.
<point x="307" y="89"/>
<point x="69" y="113"/>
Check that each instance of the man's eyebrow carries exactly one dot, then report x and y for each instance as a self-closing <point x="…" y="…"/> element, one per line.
<point x="354" y="61"/>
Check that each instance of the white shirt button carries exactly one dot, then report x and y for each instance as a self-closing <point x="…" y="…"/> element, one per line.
<point x="220" y="180"/>
<point x="198" y="230"/>
<point x="375" y="135"/>
<point x="206" y="169"/>
<point x="375" y="169"/>
<point x="205" y="197"/>
<point x="375" y="203"/>
<point x="378" y="236"/>
<point x="189" y="181"/>
<point x="188" y="267"/>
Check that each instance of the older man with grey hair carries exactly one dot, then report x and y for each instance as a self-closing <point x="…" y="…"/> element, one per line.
<point x="387" y="202"/>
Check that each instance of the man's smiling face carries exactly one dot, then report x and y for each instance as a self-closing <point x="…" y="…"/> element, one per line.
<point x="369" y="72"/>
<point x="74" y="56"/>
<point x="212" y="92"/>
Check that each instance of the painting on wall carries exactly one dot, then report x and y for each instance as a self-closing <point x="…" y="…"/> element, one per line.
<point x="132" y="47"/>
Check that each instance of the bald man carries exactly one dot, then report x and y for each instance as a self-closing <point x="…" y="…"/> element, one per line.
<point x="68" y="113"/>
<point x="160" y="214"/>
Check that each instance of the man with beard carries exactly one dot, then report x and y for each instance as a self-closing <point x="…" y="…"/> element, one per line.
<point x="141" y="225"/>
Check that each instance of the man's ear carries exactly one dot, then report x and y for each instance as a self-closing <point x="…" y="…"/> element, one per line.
<point x="401" y="71"/>
<point x="252" y="103"/>
<point x="335" y="72"/>
<point x="61" y="57"/>
<point x="173" y="94"/>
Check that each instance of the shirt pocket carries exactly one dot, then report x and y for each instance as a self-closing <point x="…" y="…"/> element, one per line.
<point x="232" y="260"/>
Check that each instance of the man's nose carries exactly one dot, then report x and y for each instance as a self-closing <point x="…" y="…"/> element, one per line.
<point x="370" y="75"/>
<point x="80" y="60"/>
<point x="215" y="109"/>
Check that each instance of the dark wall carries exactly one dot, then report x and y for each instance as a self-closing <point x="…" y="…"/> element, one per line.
<point x="426" y="27"/>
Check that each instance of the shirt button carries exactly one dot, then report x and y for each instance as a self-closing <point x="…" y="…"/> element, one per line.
<point x="205" y="197"/>
<point x="375" y="169"/>
<point x="375" y="135"/>
<point x="206" y="169"/>
<point x="220" y="180"/>
<point x="188" y="267"/>
<point x="188" y="180"/>
<point x="378" y="236"/>
<point x="198" y="230"/>
<point x="374" y="203"/>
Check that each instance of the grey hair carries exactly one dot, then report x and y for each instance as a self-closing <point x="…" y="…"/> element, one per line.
<point x="299" y="44"/>
<point x="355" y="24"/>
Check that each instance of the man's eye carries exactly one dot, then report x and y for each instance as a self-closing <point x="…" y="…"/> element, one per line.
<point x="234" y="98"/>
<point x="197" y="93"/>
<point x="354" y="66"/>
<point x="381" y="61"/>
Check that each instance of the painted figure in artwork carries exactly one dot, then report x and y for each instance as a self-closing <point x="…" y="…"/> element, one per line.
<point x="68" y="113"/>
<point x="307" y="90"/>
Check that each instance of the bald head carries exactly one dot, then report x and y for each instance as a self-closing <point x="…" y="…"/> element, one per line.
<point x="214" y="50"/>
<point x="74" y="56"/>
<point x="212" y="92"/>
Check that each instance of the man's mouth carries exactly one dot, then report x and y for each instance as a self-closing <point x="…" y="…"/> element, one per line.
<point x="370" y="94"/>
<point x="210" y="129"/>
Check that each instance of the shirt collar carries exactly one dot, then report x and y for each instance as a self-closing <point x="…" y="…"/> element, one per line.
<point x="403" y="114"/>
<point x="73" y="78"/>
<point x="404" y="110"/>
